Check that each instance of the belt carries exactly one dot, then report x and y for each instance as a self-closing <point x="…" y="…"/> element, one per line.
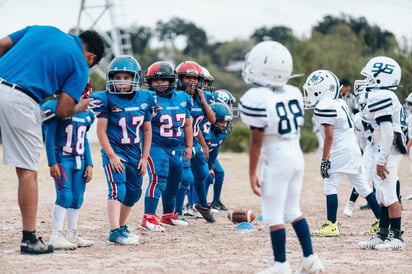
<point x="19" y="88"/>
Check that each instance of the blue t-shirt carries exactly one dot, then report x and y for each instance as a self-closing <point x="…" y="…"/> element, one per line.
<point x="125" y="120"/>
<point x="169" y="118"/>
<point x="46" y="61"/>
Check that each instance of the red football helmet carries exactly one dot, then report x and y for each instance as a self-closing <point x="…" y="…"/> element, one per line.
<point x="189" y="68"/>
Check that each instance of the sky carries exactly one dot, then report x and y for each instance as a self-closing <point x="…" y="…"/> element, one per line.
<point x="223" y="20"/>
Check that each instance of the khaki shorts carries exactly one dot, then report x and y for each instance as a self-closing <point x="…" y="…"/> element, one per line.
<point x="20" y="123"/>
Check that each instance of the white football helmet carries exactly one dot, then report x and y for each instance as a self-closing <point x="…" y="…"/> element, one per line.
<point x="381" y="73"/>
<point x="320" y="84"/>
<point x="268" y="63"/>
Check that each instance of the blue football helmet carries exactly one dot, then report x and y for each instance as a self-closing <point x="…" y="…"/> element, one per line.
<point x="124" y="63"/>
<point x="226" y="97"/>
<point x="223" y="114"/>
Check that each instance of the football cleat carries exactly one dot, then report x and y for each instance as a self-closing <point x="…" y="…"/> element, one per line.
<point x="328" y="229"/>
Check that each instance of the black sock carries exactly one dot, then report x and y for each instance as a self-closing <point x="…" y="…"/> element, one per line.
<point x="395" y="223"/>
<point x="29" y="236"/>
<point x="398" y="190"/>
<point x="384" y="220"/>
<point x="354" y="195"/>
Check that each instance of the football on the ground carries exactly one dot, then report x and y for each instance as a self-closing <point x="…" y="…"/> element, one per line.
<point x="241" y="215"/>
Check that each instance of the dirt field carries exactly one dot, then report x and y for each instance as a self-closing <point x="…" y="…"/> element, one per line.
<point x="200" y="247"/>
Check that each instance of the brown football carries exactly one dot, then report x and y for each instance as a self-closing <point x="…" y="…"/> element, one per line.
<point x="241" y="215"/>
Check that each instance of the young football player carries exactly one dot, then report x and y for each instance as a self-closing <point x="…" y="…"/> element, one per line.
<point x="274" y="112"/>
<point x="171" y="146"/>
<point x="125" y="134"/>
<point x="70" y="162"/>
<point x="382" y="78"/>
<point x="215" y="134"/>
<point x="190" y="80"/>
<point x="341" y="153"/>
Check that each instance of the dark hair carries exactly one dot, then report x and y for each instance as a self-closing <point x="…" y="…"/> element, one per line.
<point x="345" y="82"/>
<point x="94" y="43"/>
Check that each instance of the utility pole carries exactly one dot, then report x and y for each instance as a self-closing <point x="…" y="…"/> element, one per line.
<point x="104" y="17"/>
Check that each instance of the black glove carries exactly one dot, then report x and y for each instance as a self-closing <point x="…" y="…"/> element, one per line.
<point x="324" y="167"/>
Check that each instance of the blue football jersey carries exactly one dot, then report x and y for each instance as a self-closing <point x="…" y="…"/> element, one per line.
<point x="125" y="119"/>
<point x="69" y="134"/>
<point x="168" y="119"/>
<point x="198" y="114"/>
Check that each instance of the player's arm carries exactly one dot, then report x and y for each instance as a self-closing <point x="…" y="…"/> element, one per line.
<point x="188" y="130"/>
<point x="5" y="44"/>
<point x="67" y="106"/>
<point x="256" y="141"/>
<point x="115" y="161"/>
<point x="88" y="172"/>
<point x="147" y="141"/>
<point x="387" y="134"/>
<point x="327" y="142"/>
<point x="210" y="115"/>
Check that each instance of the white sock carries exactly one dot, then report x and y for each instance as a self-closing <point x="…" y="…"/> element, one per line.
<point x="72" y="217"/>
<point x="58" y="217"/>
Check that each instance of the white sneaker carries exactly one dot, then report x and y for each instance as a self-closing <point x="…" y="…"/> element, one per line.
<point x="73" y="237"/>
<point x="371" y="243"/>
<point x="58" y="241"/>
<point x="311" y="264"/>
<point x="350" y="206"/>
<point x="391" y="244"/>
<point x="150" y="222"/>
<point x="125" y="230"/>
<point x="278" y="268"/>
<point x="172" y="219"/>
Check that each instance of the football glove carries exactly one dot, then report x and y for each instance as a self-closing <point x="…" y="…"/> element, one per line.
<point x="324" y="167"/>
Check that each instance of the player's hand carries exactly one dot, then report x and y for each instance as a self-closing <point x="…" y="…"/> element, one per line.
<point x="201" y="96"/>
<point x="88" y="173"/>
<point x="187" y="153"/>
<point x="205" y="150"/>
<point x="254" y="183"/>
<point x="324" y="167"/>
<point x="82" y="105"/>
<point x="382" y="171"/>
<point x="116" y="163"/>
<point x="142" y="166"/>
<point x="55" y="171"/>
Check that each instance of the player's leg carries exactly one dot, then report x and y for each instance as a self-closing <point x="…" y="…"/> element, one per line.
<point x="390" y="200"/>
<point x="170" y="217"/>
<point x="217" y="187"/>
<point x="116" y="183"/>
<point x="350" y="204"/>
<point x="359" y="182"/>
<point x="64" y="199"/>
<point x="200" y="172"/>
<point x="72" y="213"/>
<point x="330" y="188"/>
<point x="158" y="170"/>
<point x="274" y="194"/>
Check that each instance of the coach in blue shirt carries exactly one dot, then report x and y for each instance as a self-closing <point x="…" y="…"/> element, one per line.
<point x="35" y="63"/>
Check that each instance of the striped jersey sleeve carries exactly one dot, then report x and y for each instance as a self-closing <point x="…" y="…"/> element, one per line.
<point x="325" y="112"/>
<point x="379" y="106"/>
<point x="252" y="109"/>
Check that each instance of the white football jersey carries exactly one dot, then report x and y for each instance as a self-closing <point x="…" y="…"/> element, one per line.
<point x="345" y="155"/>
<point x="279" y="112"/>
<point x="385" y="103"/>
